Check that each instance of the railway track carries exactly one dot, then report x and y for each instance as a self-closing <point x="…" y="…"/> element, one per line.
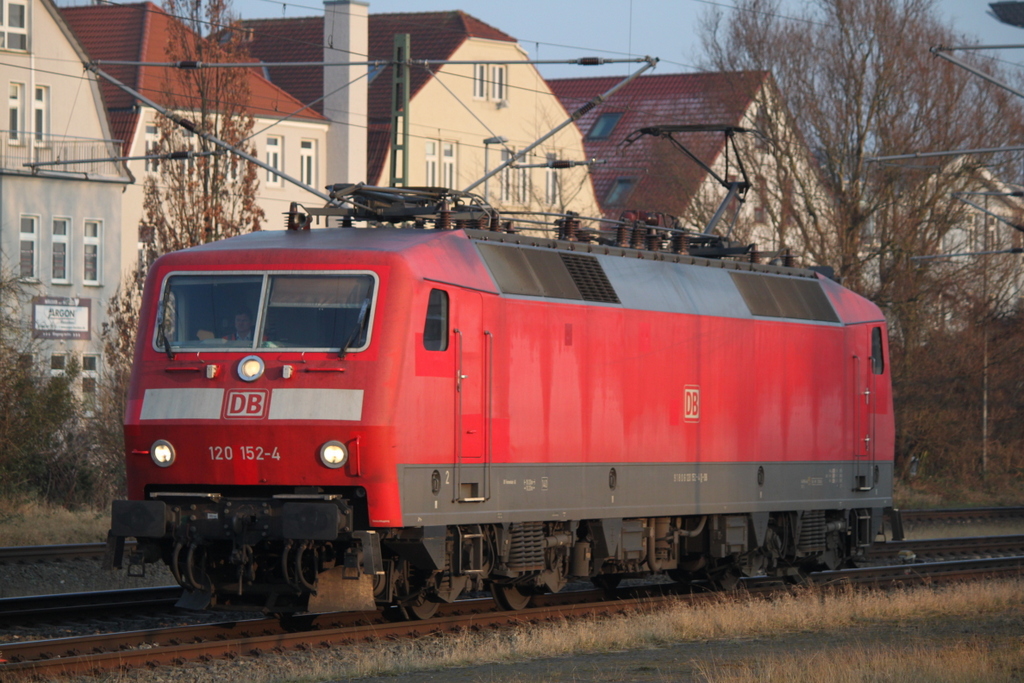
<point x="95" y="551"/>
<point x="91" y="605"/>
<point x="153" y="647"/>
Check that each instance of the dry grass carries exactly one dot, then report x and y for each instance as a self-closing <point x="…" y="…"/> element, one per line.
<point x="29" y="522"/>
<point x="834" y="625"/>
<point x="973" y="662"/>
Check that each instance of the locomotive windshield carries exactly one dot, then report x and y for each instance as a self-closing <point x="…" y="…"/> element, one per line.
<point x="323" y="312"/>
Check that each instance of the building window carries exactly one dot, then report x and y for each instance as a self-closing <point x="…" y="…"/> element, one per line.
<point x="61" y="231"/>
<point x="58" y="364"/>
<point x="13" y="25"/>
<point x="524" y="186"/>
<point x="448" y="164"/>
<point x="602" y="128"/>
<point x="307" y="162"/>
<point x="479" y="81"/>
<point x="41" y="115"/>
<point x="93" y="235"/>
<point x="16" y="109"/>
<point x="619" y="192"/>
<point x="431" y="159"/>
<point x="275" y="151"/>
<point x="28" y="265"/>
<point x="152" y="148"/>
<point x="551" y="194"/>
<point x="499" y="83"/>
<point x="90" y="376"/>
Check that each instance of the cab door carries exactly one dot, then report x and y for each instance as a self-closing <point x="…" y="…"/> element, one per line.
<point x="867" y="363"/>
<point x="472" y="384"/>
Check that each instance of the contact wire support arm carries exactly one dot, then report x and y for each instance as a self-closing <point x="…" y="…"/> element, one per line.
<point x="188" y="125"/>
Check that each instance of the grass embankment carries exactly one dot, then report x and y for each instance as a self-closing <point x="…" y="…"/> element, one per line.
<point x="27" y="522"/>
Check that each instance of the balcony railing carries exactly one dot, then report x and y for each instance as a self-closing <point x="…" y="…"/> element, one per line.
<point x="76" y="155"/>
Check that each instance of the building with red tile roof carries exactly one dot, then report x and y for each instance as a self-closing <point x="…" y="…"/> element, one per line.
<point x="453" y="108"/>
<point x="60" y="191"/>
<point x="288" y="135"/>
<point x="648" y="174"/>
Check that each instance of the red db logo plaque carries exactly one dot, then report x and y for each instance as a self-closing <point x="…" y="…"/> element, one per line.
<point x="691" y="403"/>
<point x="248" y="404"/>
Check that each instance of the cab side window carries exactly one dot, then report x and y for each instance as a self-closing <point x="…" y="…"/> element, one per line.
<point x="877" y="359"/>
<point x="435" y="328"/>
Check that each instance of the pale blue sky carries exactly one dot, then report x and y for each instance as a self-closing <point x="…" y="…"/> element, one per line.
<point x="615" y="28"/>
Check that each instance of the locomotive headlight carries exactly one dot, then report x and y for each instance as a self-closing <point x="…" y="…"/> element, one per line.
<point x="333" y="454"/>
<point x="250" y="368"/>
<point x="162" y="453"/>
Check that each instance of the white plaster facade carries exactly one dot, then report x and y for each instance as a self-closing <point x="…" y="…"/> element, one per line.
<point x="60" y="225"/>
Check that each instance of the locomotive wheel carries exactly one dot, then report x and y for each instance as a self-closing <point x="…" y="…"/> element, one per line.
<point x="422" y="608"/>
<point x="510" y="596"/>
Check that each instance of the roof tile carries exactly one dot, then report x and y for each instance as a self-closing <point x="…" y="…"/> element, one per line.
<point x="694" y="98"/>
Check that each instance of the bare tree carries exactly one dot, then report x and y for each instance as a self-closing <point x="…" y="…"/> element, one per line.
<point x="210" y="197"/>
<point x="856" y="80"/>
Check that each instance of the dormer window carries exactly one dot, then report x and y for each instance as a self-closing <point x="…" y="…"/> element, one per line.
<point x="13" y="25"/>
<point x="602" y="128"/>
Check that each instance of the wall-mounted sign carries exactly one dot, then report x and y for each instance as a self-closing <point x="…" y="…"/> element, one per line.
<point x="60" y="317"/>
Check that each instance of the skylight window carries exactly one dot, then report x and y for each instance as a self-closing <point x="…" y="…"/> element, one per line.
<point x="620" y="191"/>
<point x="602" y="128"/>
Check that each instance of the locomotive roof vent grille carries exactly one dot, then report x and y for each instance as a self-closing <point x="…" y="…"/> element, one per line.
<point x="547" y="273"/>
<point x="590" y="278"/>
<point x="782" y="297"/>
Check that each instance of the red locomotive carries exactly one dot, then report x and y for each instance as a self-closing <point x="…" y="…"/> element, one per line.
<point x="420" y="412"/>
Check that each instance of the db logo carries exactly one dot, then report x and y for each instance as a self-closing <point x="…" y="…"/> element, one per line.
<point x="250" y="404"/>
<point x="691" y="403"/>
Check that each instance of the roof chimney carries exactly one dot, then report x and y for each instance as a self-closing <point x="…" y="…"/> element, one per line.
<point x="346" y="26"/>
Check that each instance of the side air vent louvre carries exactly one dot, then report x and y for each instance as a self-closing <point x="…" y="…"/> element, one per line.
<point x="547" y="273"/>
<point x="590" y="279"/>
<point x="783" y="297"/>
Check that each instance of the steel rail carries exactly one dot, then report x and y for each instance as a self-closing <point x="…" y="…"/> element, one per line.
<point x="68" y="605"/>
<point x="26" y="554"/>
<point x="944" y="514"/>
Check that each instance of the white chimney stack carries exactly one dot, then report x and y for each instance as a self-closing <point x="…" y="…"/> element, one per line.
<point x="346" y="39"/>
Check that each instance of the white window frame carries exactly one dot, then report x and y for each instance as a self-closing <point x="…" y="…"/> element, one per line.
<point x="523" y="189"/>
<point x="96" y="242"/>
<point x="551" y="190"/>
<point x="16" y="113"/>
<point x="307" y="162"/>
<point x="9" y="30"/>
<point x="505" y="178"/>
<point x="499" y="83"/>
<point x="480" y="82"/>
<point x="449" y="165"/>
<point x="32" y="240"/>
<point x="152" y="145"/>
<point x="430" y="163"/>
<point x="41" y="115"/>
<point x="275" y="159"/>
<point x="65" y="241"/>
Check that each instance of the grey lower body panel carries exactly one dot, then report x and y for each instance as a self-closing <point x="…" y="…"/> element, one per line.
<point x="478" y="493"/>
